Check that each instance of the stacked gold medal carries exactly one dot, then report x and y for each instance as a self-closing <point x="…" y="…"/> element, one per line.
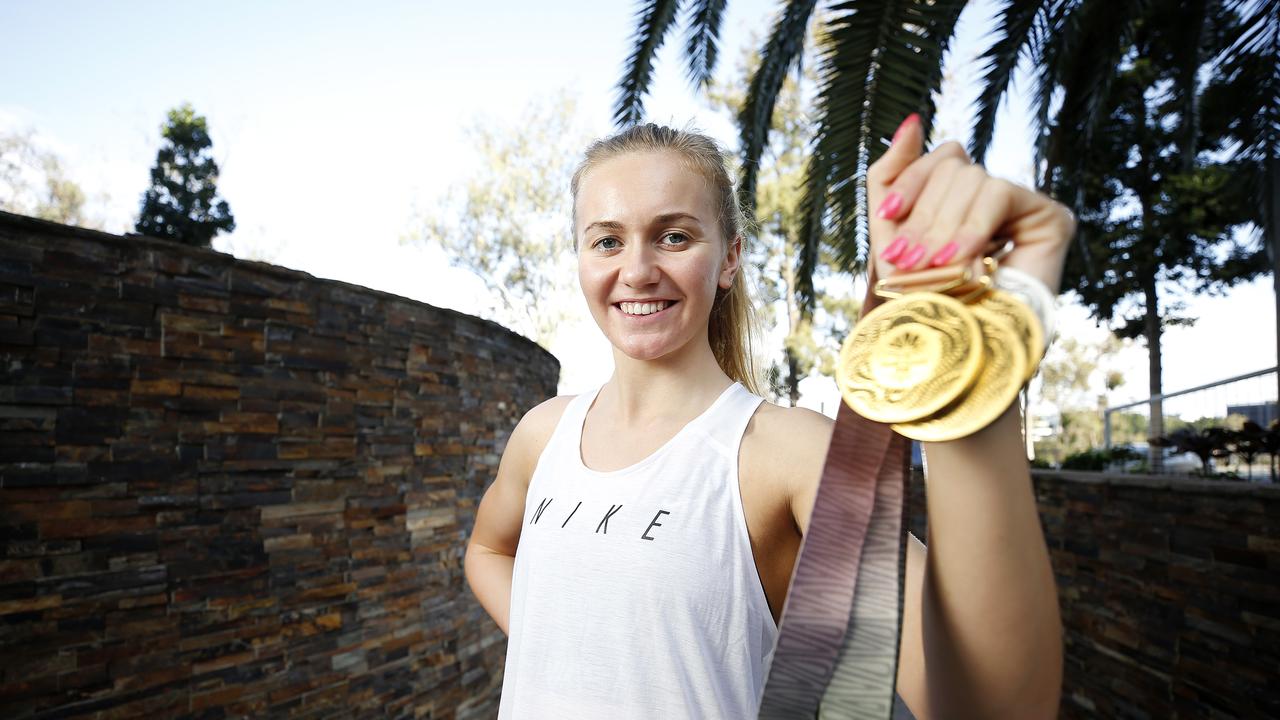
<point x="943" y="357"/>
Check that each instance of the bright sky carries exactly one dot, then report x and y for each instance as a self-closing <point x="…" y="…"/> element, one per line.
<point x="332" y="120"/>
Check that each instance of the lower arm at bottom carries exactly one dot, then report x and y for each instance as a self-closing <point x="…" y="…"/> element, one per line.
<point x="992" y="633"/>
<point x="489" y="574"/>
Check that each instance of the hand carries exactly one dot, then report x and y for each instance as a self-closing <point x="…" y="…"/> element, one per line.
<point x="940" y="209"/>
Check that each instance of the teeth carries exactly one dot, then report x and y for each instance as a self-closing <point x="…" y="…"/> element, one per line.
<point x="632" y="308"/>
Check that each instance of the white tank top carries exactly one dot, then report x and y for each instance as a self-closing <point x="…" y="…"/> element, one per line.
<point x="635" y="593"/>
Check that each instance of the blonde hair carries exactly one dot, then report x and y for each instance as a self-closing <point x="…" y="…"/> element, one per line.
<point x="732" y="327"/>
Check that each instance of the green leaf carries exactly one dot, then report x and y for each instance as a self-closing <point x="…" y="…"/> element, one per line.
<point x="653" y="21"/>
<point x="782" y="50"/>
<point x="704" y="31"/>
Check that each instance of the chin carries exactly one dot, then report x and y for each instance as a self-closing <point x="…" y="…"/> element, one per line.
<point x="649" y="348"/>
<point x="640" y="350"/>
<point x="647" y="353"/>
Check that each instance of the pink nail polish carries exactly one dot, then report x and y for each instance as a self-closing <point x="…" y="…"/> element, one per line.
<point x="913" y="117"/>
<point x="894" y="250"/>
<point x="889" y="208"/>
<point x="912" y="257"/>
<point x="944" y="254"/>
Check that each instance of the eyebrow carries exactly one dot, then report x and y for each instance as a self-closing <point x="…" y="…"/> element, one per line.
<point x="663" y="218"/>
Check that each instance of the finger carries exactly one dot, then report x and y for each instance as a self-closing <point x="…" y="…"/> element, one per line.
<point x="946" y="245"/>
<point x="895" y="200"/>
<point x="942" y="197"/>
<point x="906" y="146"/>
<point x="1033" y="222"/>
<point x="885" y="236"/>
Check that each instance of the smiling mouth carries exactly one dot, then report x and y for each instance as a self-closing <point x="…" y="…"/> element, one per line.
<point x="639" y="310"/>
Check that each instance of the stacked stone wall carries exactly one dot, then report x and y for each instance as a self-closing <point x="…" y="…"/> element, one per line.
<point x="228" y="489"/>
<point x="1169" y="590"/>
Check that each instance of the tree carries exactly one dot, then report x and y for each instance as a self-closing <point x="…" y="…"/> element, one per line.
<point x="1160" y="205"/>
<point x="1249" y="442"/>
<point x="1069" y="377"/>
<point x="182" y="203"/>
<point x="511" y="222"/>
<point x="33" y="182"/>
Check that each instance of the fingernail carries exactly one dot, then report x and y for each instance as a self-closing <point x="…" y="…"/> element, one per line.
<point x="913" y="117"/>
<point x="943" y="255"/>
<point x="894" y="250"/>
<point x="890" y="206"/>
<point x="912" y="257"/>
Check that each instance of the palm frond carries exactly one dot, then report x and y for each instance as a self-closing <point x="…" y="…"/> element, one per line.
<point x="1015" y="35"/>
<point x="652" y="22"/>
<point x="813" y="209"/>
<point x="1259" y="19"/>
<point x="1052" y="33"/>
<point x="1187" y="54"/>
<point x="1108" y="27"/>
<point x="704" y="33"/>
<point x="1252" y="59"/>
<point x="882" y="61"/>
<point x="781" y="50"/>
<point x="851" y="43"/>
<point x="910" y="73"/>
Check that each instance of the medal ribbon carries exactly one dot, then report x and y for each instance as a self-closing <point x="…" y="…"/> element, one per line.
<point x="837" y="648"/>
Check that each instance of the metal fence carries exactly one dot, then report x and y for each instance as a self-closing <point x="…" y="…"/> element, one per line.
<point x="1224" y="403"/>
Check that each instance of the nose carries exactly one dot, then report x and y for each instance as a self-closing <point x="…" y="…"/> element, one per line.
<point x="639" y="264"/>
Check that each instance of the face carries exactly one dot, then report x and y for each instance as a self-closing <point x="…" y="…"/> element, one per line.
<point x="648" y="240"/>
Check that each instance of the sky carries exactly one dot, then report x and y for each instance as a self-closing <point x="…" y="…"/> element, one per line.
<point x="333" y="121"/>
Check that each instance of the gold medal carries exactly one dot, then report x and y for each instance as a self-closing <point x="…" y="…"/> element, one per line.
<point x="1023" y="319"/>
<point x="940" y="366"/>
<point x="910" y="357"/>
<point x="1003" y="373"/>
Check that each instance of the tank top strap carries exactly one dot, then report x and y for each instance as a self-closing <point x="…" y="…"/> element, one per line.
<point x="728" y="418"/>
<point x="567" y="430"/>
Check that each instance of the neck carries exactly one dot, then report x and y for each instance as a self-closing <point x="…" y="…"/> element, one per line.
<point x="681" y="384"/>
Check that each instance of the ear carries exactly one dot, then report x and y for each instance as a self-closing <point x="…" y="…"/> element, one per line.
<point x="732" y="260"/>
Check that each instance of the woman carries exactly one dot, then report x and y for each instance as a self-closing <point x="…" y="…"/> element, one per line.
<point x="658" y="518"/>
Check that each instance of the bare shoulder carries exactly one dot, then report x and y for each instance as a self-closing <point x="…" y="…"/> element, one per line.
<point x="785" y="447"/>
<point x="789" y="433"/>
<point x="534" y="430"/>
<point x="543" y="417"/>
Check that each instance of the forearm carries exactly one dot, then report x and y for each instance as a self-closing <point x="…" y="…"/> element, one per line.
<point x="489" y="575"/>
<point x="989" y="609"/>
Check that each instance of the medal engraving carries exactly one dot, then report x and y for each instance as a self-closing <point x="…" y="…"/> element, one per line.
<point x="1023" y="319"/>
<point x="1003" y="372"/>
<point x="909" y="357"/>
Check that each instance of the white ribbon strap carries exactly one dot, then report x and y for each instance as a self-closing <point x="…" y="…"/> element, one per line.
<point x="1032" y="291"/>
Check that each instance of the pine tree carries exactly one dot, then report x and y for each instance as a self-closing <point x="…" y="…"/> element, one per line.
<point x="181" y="204"/>
<point x="1164" y="200"/>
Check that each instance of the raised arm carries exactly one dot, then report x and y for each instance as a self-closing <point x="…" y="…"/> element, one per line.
<point x="982" y="634"/>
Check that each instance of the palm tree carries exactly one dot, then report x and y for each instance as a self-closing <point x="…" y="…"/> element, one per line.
<point x="857" y="103"/>
<point x="880" y="60"/>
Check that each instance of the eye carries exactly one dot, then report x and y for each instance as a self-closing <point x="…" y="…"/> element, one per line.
<point x="684" y="239"/>
<point x="599" y="244"/>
